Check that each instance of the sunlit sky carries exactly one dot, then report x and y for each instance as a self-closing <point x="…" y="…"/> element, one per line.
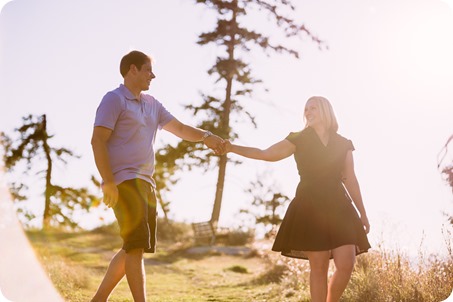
<point x="388" y="73"/>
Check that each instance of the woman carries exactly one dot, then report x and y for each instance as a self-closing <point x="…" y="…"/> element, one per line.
<point x="321" y="222"/>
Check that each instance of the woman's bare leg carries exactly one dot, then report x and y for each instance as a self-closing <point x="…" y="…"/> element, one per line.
<point x="319" y="266"/>
<point x="344" y="259"/>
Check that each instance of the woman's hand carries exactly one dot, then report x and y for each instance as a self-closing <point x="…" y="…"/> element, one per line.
<point x="227" y="146"/>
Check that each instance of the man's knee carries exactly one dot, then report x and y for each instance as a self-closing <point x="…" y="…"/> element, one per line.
<point x="138" y="251"/>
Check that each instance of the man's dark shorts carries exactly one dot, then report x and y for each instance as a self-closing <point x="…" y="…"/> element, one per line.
<point x="136" y="214"/>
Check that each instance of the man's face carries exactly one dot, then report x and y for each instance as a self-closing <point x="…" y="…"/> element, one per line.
<point x="145" y="75"/>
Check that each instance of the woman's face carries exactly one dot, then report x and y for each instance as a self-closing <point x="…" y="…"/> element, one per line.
<point x="312" y="113"/>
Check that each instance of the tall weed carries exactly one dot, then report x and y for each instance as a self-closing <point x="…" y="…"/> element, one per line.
<point x="379" y="276"/>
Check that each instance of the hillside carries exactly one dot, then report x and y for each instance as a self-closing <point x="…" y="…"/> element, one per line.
<point x="76" y="262"/>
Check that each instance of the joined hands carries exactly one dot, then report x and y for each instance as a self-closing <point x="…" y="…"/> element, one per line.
<point x="218" y="145"/>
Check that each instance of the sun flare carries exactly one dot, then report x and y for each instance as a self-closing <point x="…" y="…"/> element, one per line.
<point x="3" y="3"/>
<point x="425" y="45"/>
<point x="449" y="2"/>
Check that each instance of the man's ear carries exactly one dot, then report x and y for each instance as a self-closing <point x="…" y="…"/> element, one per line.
<point x="133" y="69"/>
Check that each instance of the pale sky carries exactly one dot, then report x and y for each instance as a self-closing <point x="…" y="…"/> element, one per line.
<point x="388" y="73"/>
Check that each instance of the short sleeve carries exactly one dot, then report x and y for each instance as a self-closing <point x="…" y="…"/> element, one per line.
<point x="164" y="116"/>
<point x="292" y="137"/>
<point x="108" y="111"/>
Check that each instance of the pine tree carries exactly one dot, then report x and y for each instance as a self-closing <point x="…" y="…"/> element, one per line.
<point x="234" y="75"/>
<point x="267" y="202"/>
<point x="33" y="146"/>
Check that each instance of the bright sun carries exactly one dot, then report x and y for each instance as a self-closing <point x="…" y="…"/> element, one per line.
<point x="3" y="2"/>
<point x="428" y="44"/>
<point x="449" y="2"/>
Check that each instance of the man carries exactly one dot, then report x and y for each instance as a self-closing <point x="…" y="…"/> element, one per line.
<point x="123" y="137"/>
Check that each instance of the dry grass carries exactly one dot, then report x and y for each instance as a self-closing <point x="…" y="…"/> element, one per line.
<point x="379" y="276"/>
<point x="76" y="263"/>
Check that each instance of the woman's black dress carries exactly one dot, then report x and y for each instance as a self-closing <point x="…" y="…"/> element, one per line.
<point x="321" y="217"/>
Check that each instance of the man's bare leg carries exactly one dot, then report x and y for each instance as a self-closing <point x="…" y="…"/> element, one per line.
<point x="135" y="274"/>
<point x="114" y="274"/>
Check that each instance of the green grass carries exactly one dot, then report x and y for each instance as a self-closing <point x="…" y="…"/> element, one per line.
<point x="76" y="263"/>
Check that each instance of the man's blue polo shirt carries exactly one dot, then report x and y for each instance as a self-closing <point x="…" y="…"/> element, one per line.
<point x="134" y="124"/>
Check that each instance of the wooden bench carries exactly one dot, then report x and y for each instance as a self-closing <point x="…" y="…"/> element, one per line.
<point x="206" y="233"/>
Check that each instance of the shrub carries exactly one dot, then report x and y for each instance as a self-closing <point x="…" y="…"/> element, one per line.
<point x="173" y="231"/>
<point x="379" y="276"/>
<point x="240" y="237"/>
<point x="238" y="269"/>
<point x="166" y="230"/>
<point x="390" y="276"/>
<point x="110" y="229"/>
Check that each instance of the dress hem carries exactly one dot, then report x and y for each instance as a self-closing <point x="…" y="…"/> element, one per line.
<point x="298" y="254"/>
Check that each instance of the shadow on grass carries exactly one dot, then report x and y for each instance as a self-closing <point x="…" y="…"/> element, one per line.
<point x="174" y="253"/>
<point x="82" y="241"/>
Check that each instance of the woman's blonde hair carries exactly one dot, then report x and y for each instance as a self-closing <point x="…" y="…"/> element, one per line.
<point x="326" y="113"/>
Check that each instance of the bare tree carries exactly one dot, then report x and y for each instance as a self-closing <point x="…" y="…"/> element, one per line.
<point x="445" y="167"/>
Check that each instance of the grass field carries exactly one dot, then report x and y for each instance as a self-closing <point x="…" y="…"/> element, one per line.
<point x="76" y="262"/>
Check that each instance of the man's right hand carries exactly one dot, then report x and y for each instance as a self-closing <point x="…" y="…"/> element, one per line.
<point x="216" y="143"/>
<point x="110" y="191"/>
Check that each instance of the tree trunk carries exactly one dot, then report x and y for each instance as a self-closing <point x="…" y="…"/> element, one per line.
<point x="162" y="205"/>
<point x="225" y="121"/>
<point x="225" y="124"/>
<point x="219" y="189"/>
<point x="47" y="215"/>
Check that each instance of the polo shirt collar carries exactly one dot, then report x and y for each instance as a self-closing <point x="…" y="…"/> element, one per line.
<point x="127" y="93"/>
